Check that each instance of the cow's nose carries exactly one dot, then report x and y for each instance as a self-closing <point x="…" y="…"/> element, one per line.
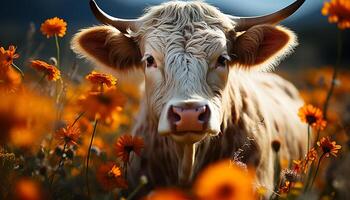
<point x="188" y="118"/>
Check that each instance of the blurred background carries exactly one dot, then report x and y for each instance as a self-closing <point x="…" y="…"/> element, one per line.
<point x="20" y="25"/>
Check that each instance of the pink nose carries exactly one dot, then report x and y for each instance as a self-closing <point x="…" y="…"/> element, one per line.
<point x="188" y="118"/>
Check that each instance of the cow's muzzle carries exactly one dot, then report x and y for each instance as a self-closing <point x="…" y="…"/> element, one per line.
<point x="188" y="117"/>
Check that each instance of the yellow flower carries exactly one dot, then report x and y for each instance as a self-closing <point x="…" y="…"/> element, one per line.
<point x="7" y="57"/>
<point x="328" y="147"/>
<point x="52" y="73"/>
<point x="126" y="144"/>
<point x="312" y="116"/>
<point x="100" y="79"/>
<point x="338" y="11"/>
<point x="54" y="26"/>
<point x="223" y="181"/>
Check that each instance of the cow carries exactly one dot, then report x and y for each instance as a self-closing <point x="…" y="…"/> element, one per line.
<point x="209" y="90"/>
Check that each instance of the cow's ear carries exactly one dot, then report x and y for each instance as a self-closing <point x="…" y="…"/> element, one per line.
<point x="107" y="46"/>
<point x="262" y="47"/>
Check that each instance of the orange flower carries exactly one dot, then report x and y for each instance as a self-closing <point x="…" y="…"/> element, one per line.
<point x="27" y="189"/>
<point x="338" y="11"/>
<point x="126" y="144"/>
<point x="109" y="177"/>
<point x="69" y="135"/>
<point x="7" y="57"/>
<point x="54" y="26"/>
<point x="167" y="193"/>
<point x="24" y="118"/>
<point x="312" y="116"/>
<point x="100" y="79"/>
<point x="328" y="147"/>
<point x="52" y="73"/>
<point x="10" y="80"/>
<point x="311" y="155"/>
<point x="298" y="166"/>
<point x="104" y="106"/>
<point x="224" y="181"/>
<point x="284" y="188"/>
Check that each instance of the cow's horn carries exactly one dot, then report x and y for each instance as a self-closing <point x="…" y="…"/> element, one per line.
<point x="244" y="23"/>
<point x="121" y="24"/>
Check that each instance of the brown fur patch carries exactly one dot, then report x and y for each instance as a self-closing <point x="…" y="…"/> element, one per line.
<point x="262" y="45"/>
<point x="107" y="46"/>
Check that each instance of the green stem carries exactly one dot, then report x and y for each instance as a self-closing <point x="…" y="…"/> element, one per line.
<point x="79" y="116"/>
<point x="18" y="69"/>
<point x="58" y="51"/>
<point x="318" y="166"/>
<point x="88" y="159"/>
<point x="136" y="190"/>
<point x="308" y="137"/>
<point x="38" y="83"/>
<point x="335" y="72"/>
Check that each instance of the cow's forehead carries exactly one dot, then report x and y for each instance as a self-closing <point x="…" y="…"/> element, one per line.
<point x="196" y="40"/>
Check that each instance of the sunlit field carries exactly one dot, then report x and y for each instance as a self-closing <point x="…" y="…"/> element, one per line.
<point x="68" y="135"/>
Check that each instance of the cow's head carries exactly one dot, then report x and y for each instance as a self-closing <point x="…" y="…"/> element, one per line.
<point x="186" y="50"/>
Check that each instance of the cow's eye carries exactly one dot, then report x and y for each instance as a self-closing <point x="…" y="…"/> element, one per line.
<point x="221" y="62"/>
<point x="150" y="62"/>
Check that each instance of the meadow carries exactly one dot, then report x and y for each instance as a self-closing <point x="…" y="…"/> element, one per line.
<point x="66" y="137"/>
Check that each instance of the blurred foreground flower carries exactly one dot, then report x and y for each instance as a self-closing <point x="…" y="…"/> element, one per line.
<point x="109" y="176"/>
<point x="27" y="189"/>
<point x="24" y="118"/>
<point x="224" y="181"/>
<point x="54" y="26"/>
<point x="312" y="116"/>
<point x="50" y="71"/>
<point x="328" y="147"/>
<point x="338" y="12"/>
<point x="126" y="144"/>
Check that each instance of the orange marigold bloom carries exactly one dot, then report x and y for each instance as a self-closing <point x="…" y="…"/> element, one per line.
<point x="10" y="80"/>
<point x="109" y="177"/>
<point x="298" y="165"/>
<point x="312" y="116"/>
<point x="100" y="79"/>
<point x="328" y="147"/>
<point x="338" y="12"/>
<point x="54" y="26"/>
<point x="52" y="73"/>
<point x="103" y="106"/>
<point x="7" y="57"/>
<point x="68" y="135"/>
<point x="311" y="155"/>
<point x="166" y="193"/>
<point x="126" y="144"/>
<point x="222" y="181"/>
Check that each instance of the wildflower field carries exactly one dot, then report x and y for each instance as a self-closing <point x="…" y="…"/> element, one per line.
<point x="65" y="135"/>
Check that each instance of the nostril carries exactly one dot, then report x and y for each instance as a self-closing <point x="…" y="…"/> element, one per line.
<point x="173" y="116"/>
<point x="204" y="116"/>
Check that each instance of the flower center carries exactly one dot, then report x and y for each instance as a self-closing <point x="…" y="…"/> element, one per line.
<point x="311" y="119"/>
<point x="128" y="148"/>
<point x="326" y="149"/>
<point x="225" y="191"/>
<point x="104" y="99"/>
